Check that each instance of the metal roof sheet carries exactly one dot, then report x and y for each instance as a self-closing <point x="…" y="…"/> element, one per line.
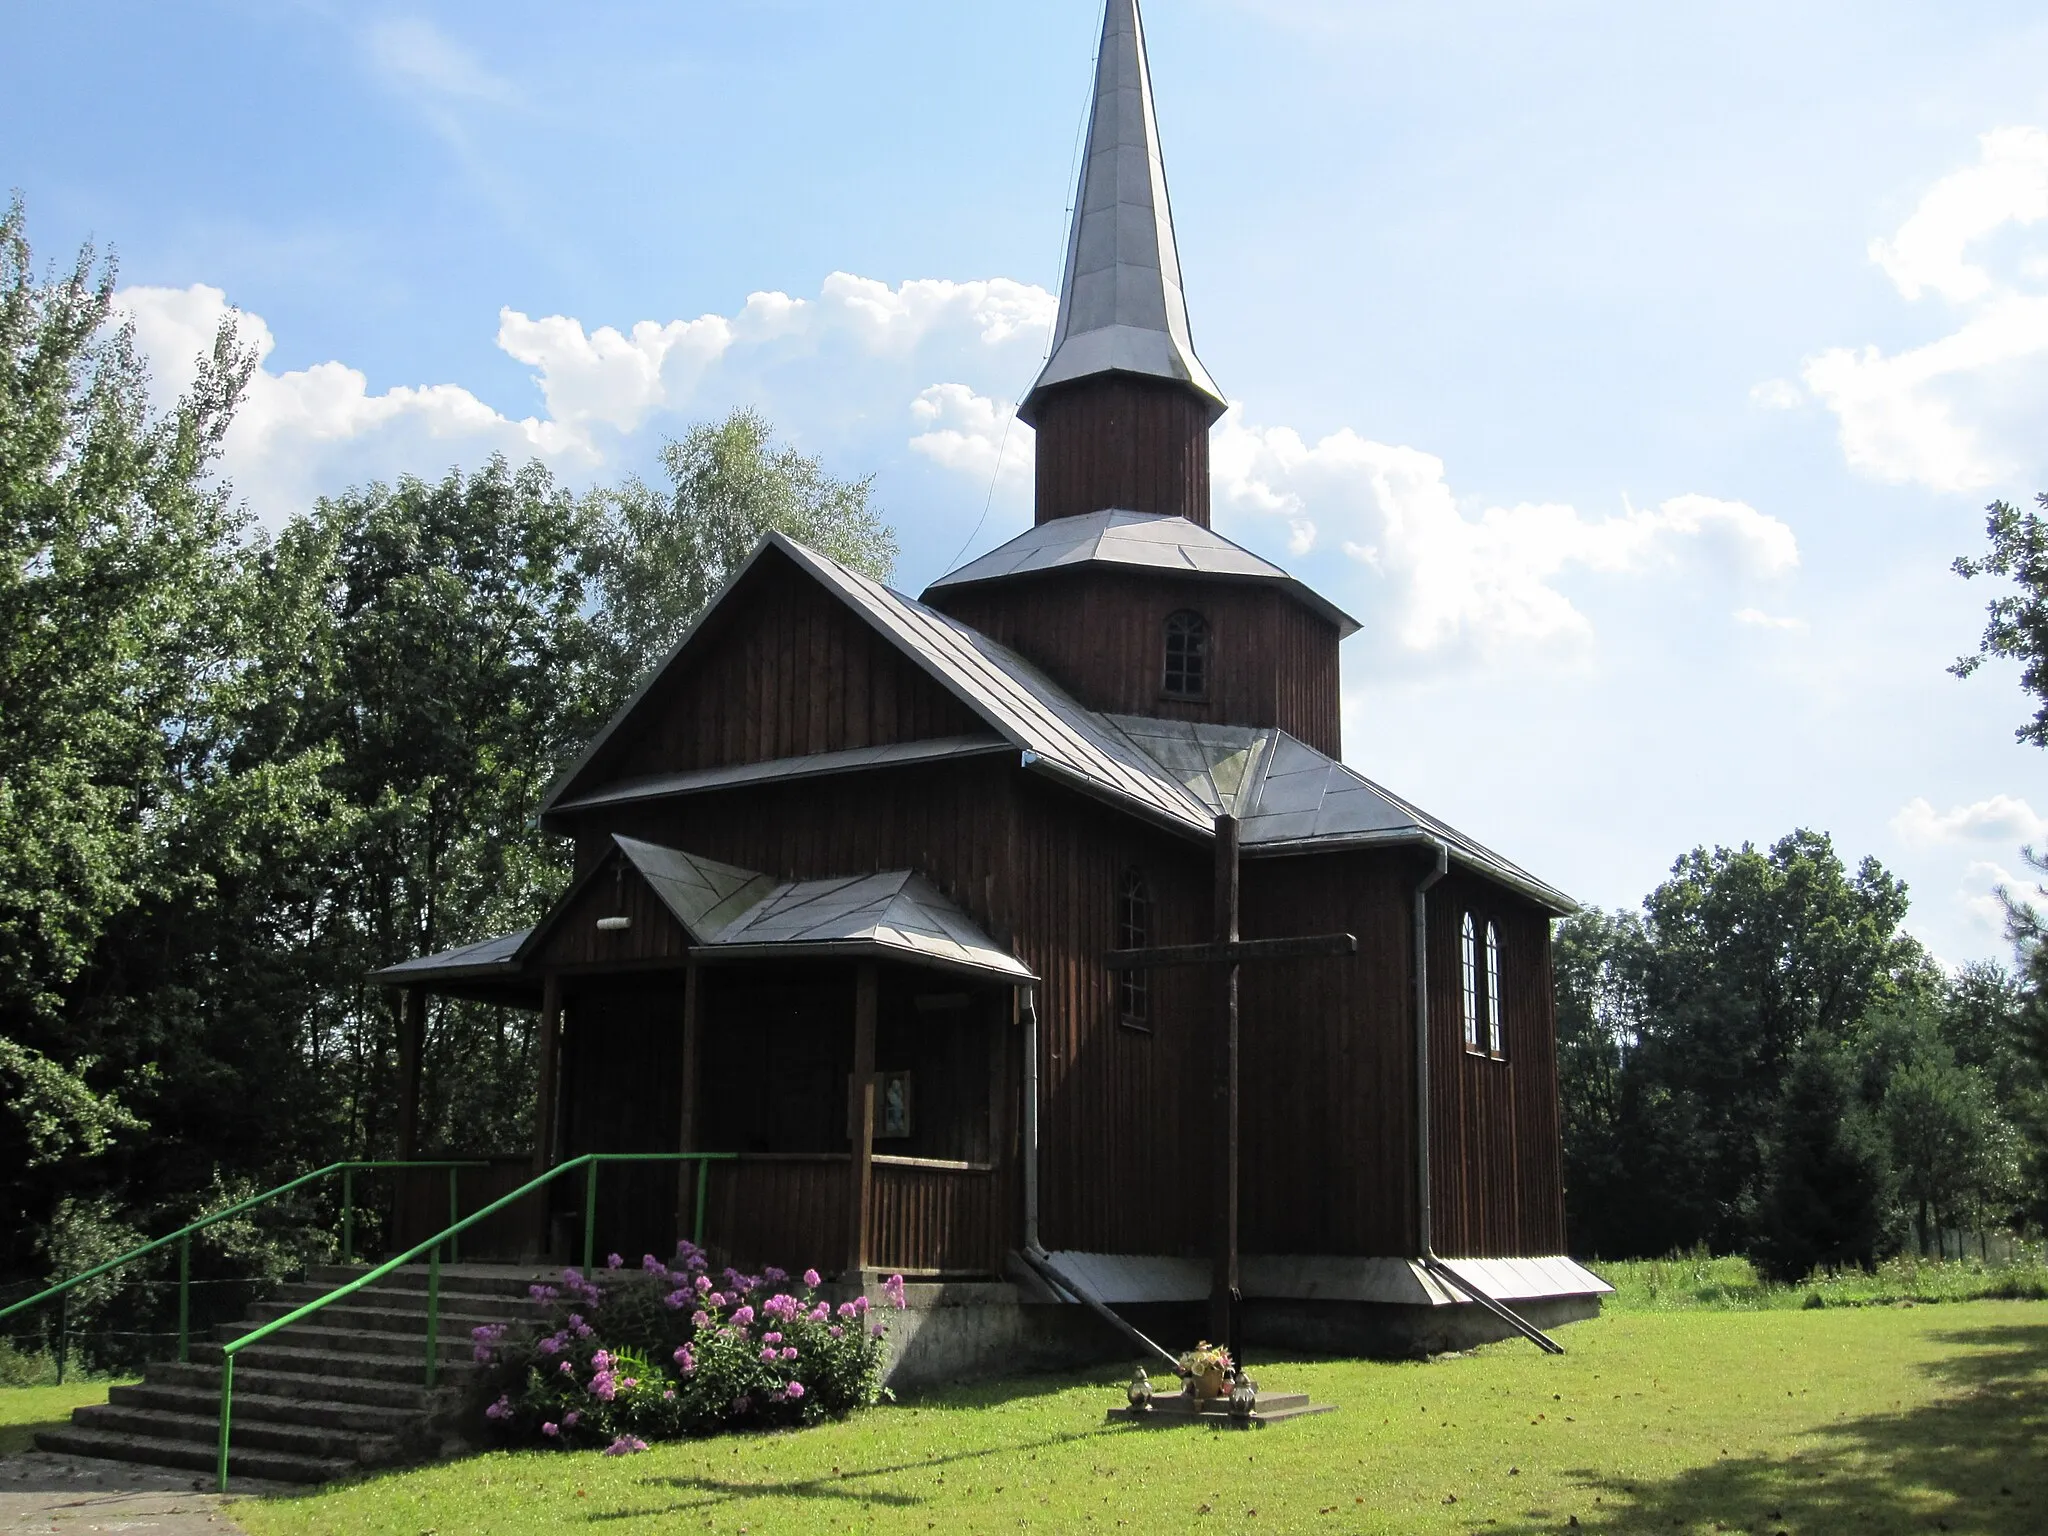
<point x="1148" y="540"/>
<point x="1121" y="305"/>
<point x="1290" y="798"/>
<point x="813" y="765"/>
<point x="482" y="960"/>
<point x="704" y="894"/>
<point x="894" y="911"/>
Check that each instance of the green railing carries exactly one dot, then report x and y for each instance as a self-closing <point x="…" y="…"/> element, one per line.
<point x="183" y="1238"/>
<point x="589" y="1161"/>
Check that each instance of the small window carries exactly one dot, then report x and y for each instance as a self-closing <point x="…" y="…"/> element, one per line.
<point x="1187" y="656"/>
<point x="1133" y="931"/>
<point x="1469" y="942"/>
<point x="1493" y="989"/>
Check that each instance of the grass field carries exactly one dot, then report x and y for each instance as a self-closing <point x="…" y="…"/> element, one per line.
<point x="1690" y="1282"/>
<point x="1873" y="1420"/>
<point x="24" y="1410"/>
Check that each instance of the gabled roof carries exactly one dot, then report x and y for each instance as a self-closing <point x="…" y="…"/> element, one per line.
<point x="896" y="911"/>
<point x="1121" y="305"/>
<point x="1290" y="798"/>
<point x="1051" y="732"/>
<point x="705" y="896"/>
<point x="1149" y="541"/>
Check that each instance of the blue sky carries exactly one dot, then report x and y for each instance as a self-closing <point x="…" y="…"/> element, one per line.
<point x="1633" y="372"/>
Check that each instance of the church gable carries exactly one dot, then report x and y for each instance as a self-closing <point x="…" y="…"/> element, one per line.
<point x="780" y="668"/>
<point x="638" y="927"/>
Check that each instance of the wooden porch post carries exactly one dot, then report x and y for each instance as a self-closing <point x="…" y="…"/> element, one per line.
<point x="1223" y="1287"/>
<point x="866" y="1003"/>
<point x="412" y="1030"/>
<point x="688" y="1174"/>
<point x="544" y="1116"/>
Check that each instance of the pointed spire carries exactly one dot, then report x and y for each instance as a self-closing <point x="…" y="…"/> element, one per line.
<point x="1121" y="307"/>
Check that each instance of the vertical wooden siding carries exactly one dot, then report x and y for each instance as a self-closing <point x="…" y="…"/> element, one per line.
<point x="791" y="1211"/>
<point x="935" y="1220"/>
<point x="1122" y="442"/>
<point x="1495" y="1175"/>
<point x="1101" y="635"/>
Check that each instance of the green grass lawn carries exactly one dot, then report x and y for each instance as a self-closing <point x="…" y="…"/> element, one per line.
<point x="24" y="1410"/>
<point x="1875" y="1419"/>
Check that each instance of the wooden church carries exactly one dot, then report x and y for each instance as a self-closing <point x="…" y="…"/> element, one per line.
<point x="1035" y="927"/>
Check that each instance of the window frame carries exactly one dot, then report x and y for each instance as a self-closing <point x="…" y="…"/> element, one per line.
<point x="1133" y="988"/>
<point x="1496" y="1039"/>
<point x="1180" y="625"/>
<point x="1468" y="977"/>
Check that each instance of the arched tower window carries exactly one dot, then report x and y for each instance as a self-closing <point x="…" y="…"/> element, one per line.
<point x="1469" y="946"/>
<point x="1187" y="656"/>
<point x="1493" y="989"/>
<point x="1133" y="931"/>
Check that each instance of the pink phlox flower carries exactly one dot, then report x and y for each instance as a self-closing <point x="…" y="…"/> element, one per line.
<point x="743" y="1318"/>
<point x="625" y="1445"/>
<point x="771" y="1338"/>
<point x="542" y="1293"/>
<point x="551" y="1429"/>
<point x="675" y="1301"/>
<point x="811" y="1278"/>
<point x="650" y="1262"/>
<point x="569" y="1419"/>
<point x="782" y="1306"/>
<point x="773" y="1276"/>
<point x="685" y="1361"/>
<point x="568" y="1368"/>
<point x="715" y="1299"/>
<point x="501" y="1409"/>
<point x="860" y="1305"/>
<point x="703" y="1284"/>
<point x="700" y="1319"/>
<point x="768" y="1355"/>
<point x="848" y="1311"/>
<point x="820" y="1312"/>
<point x="793" y="1391"/>
<point x="878" y="1330"/>
<point x="613" y="1261"/>
<point x="602" y="1360"/>
<point x="551" y="1345"/>
<point x="836" y="1331"/>
<point x="603" y="1388"/>
<point x="893" y="1289"/>
<point x="789" y="1351"/>
<point x="669" y="1396"/>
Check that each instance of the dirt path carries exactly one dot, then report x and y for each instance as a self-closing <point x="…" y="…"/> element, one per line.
<point x="45" y="1495"/>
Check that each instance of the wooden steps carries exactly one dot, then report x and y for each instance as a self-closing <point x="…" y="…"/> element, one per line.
<point x="326" y="1398"/>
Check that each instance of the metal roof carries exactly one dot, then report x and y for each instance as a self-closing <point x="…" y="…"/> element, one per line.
<point x="1151" y="541"/>
<point x="811" y="766"/>
<point x="896" y="911"/>
<point x="487" y="959"/>
<point x="704" y="895"/>
<point x="1290" y="798"/>
<point x="1121" y="305"/>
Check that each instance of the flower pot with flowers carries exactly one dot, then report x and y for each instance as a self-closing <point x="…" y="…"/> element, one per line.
<point x="1207" y="1369"/>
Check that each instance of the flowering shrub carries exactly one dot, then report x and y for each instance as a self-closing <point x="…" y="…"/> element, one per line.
<point x="668" y="1351"/>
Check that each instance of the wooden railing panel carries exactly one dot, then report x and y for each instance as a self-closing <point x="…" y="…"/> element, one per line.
<point x="933" y="1220"/>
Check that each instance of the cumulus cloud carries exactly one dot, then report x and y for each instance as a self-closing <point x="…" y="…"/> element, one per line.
<point x="2000" y="819"/>
<point x="414" y="53"/>
<point x="972" y="433"/>
<point x="1486" y="583"/>
<point x="1962" y="411"/>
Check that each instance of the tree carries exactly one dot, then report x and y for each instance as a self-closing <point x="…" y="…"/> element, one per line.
<point x="2016" y="627"/>
<point x="1826" y="1187"/>
<point x="1599" y="1012"/>
<point x="662" y="556"/>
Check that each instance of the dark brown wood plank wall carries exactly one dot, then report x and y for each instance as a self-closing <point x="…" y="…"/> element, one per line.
<point x="1494" y="1149"/>
<point x="575" y="941"/>
<point x="1328" y="1059"/>
<point x="935" y="1219"/>
<point x="784" y="669"/>
<point x="1124" y="442"/>
<point x="1100" y="634"/>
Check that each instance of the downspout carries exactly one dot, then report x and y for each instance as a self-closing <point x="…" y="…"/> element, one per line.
<point x="1033" y="1254"/>
<point x="1425" y="1246"/>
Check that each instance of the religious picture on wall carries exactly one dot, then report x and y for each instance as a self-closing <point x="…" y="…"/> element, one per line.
<point x="892" y="1104"/>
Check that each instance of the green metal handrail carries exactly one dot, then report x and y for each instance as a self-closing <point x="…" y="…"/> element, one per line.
<point x="432" y="1248"/>
<point x="183" y="1238"/>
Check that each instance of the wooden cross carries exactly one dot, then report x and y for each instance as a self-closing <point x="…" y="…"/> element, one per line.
<point x="1227" y="952"/>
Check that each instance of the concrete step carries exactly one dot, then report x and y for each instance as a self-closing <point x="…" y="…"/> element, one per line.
<point x="303" y="1440"/>
<point x="405" y="1395"/>
<point x="317" y="1333"/>
<point x="193" y="1455"/>
<point x="408" y="1367"/>
<point x="259" y="1407"/>
<point x="507" y="1280"/>
<point x="377" y="1318"/>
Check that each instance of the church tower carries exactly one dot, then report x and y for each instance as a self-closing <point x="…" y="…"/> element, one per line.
<point x="1120" y="590"/>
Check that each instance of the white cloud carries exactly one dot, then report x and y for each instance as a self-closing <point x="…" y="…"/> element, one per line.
<point x="611" y="377"/>
<point x="1777" y="395"/>
<point x="1483" y="583"/>
<point x="1979" y="895"/>
<point x="972" y="433"/>
<point x="1960" y="412"/>
<point x="1758" y="619"/>
<point x="419" y="55"/>
<point x="2008" y="185"/>
<point x="2000" y="819"/>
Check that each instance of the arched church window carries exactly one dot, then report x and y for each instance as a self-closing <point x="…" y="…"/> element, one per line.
<point x="1469" y="945"/>
<point x="1187" y="656"/>
<point x="1493" y="989"/>
<point x="1133" y="931"/>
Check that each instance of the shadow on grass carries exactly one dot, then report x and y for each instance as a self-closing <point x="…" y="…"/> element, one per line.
<point x="17" y="1438"/>
<point x="1972" y="1460"/>
<point x="699" y="1494"/>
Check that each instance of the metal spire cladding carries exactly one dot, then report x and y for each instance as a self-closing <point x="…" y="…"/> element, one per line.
<point x="1121" y="306"/>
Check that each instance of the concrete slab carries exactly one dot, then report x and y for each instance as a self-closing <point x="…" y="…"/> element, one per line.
<point x="47" y="1495"/>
